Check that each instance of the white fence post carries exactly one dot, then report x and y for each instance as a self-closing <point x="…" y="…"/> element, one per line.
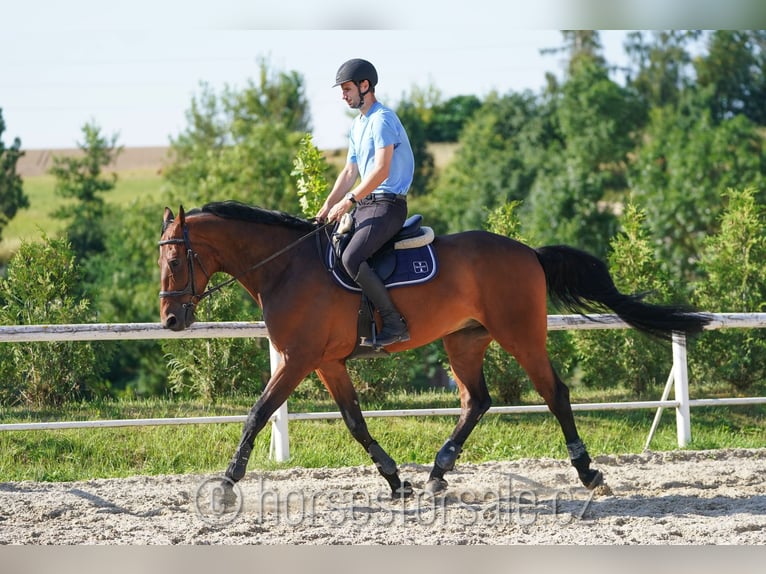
<point x="681" y="378"/>
<point x="279" y="449"/>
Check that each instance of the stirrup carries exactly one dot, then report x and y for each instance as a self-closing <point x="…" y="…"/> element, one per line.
<point x="383" y="339"/>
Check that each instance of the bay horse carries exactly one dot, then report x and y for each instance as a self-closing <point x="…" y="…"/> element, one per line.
<point x="488" y="287"/>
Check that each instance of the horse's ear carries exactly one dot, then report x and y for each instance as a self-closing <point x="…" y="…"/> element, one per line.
<point x="181" y="214"/>
<point x="168" y="217"/>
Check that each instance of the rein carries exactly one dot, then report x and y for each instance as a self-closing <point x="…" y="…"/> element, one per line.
<point x="191" y="256"/>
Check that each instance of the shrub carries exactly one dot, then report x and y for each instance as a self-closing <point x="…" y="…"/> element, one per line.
<point x="609" y="357"/>
<point x="733" y="263"/>
<point x="42" y="286"/>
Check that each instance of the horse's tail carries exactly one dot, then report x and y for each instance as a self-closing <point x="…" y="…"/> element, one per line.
<point x="580" y="283"/>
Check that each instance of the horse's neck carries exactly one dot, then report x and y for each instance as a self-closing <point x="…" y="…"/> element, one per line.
<point x="250" y="251"/>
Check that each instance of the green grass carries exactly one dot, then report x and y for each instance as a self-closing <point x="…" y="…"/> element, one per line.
<point x="76" y="454"/>
<point x="29" y="224"/>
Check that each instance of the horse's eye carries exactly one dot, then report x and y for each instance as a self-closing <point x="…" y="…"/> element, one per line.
<point x="174" y="263"/>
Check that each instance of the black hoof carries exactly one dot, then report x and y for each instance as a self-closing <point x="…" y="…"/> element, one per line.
<point x="230" y="497"/>
<point x="591" y="478"/>
<point x="404" y="491"/>
<point x="436" y="485"/>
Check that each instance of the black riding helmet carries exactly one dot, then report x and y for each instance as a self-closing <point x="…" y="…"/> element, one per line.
<point x="356" y="71"/>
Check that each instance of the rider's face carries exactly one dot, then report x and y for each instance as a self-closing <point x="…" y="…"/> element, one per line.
<point x="351" y="94"/>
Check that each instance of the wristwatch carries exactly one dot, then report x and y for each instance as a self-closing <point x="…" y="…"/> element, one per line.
<point x="350" y="197"/>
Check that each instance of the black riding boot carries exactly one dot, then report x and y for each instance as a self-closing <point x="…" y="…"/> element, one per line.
<point x="394" y="327"/>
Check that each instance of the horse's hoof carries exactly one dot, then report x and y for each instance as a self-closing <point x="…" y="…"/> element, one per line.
<point x="404" y="491"/>
<point x="231" y="495"/>
<point x="592" y="478"/>
<point x="435" y="486"/>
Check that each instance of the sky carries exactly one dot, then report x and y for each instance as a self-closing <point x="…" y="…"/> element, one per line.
<point x="134" y="67"/>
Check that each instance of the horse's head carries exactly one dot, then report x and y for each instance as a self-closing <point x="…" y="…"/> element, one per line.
<point x="180" y="288"/>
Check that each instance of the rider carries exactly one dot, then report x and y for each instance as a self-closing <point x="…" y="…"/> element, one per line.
<point x="379" y="153"/>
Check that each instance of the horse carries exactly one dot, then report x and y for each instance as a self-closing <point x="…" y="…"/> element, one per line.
<point x="488" y="287"/>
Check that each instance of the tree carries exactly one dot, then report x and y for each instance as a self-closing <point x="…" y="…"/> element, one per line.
<point x="448" y="118"/>
<point x="497" y="161"/>
<point x="661" y="65"/>
<point x="425" y="167"/>
<point x="683" y="169"/>
<point x="584" y="170"/>
<point x="81" y="178"/>
<point x="12" y="197"/>
<point x="241" y="144"/>
<point x="122" y="282"/>
<point x="311" y="171"/>
<point x="734" y="71"/>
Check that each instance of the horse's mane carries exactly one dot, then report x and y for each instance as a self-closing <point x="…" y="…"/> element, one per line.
<point x="231" y="209"/>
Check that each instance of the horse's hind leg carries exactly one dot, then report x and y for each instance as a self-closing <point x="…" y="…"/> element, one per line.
<point x="556" y="395"/>
<point x="335" y="377"/>
<point x="465" y="349"/>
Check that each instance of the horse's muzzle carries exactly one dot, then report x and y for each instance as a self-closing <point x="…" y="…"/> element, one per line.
<point x="171" y="322"/>
<point x="179" y="322"/>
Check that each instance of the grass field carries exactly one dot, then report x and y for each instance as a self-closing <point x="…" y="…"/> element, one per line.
<point x="117" y="452"/>
<point x="31" y="223"/>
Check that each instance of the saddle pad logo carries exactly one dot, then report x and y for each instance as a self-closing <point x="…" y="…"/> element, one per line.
<point x="420" y="267"/>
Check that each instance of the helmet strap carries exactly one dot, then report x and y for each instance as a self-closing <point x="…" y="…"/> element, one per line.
<point x="361" y="94"/>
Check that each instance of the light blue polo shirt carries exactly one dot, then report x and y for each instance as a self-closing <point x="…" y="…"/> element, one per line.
<point x="379" y="128"/>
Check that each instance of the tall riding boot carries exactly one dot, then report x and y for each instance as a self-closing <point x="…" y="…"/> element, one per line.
<point x="394" y="327"/>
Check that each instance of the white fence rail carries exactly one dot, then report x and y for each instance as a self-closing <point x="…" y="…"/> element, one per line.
<point x="280" y="450"/>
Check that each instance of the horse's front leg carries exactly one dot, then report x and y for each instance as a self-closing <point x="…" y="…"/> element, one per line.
<point x="335" y="377"/>
<point x="283" y="381"/>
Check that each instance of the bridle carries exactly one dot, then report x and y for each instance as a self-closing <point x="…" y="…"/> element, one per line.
<point x="191" y="257"/>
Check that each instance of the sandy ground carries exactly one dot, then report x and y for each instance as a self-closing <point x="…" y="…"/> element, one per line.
<point x="669" y="498"/>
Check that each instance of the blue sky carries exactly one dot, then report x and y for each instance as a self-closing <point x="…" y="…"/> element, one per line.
<point x="133" y="67"/>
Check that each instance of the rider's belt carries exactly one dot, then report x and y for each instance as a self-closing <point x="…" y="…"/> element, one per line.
<point x="385" y="195"/>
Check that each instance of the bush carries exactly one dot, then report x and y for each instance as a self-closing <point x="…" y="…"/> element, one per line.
<point x="42" y="286"/>
<point x="608" y="358"/>
<point x="212" y="368"/>
<point x="733" y="262"/>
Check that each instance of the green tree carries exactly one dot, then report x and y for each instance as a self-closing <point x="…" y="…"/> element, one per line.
<point x="681" y="172"/>
<point x="81" y="178"/>
<point x="735" y="282"/>
<point x="497" y="162"/>
<point x="734" y="72"/>
<point x="425" y="167"/>
<point x="241" y="144"/>
<point x="584" y="171"/>
<point x="12" y="197"/>
<point x="123" y="281"/>
<point x="661" y="67"/>
<point x="448" y="118"/>
<point x="43" y="286"/>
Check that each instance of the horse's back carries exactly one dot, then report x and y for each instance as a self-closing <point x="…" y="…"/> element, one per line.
<point x="483" y="270"/>
<point x="487" y="254"/>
